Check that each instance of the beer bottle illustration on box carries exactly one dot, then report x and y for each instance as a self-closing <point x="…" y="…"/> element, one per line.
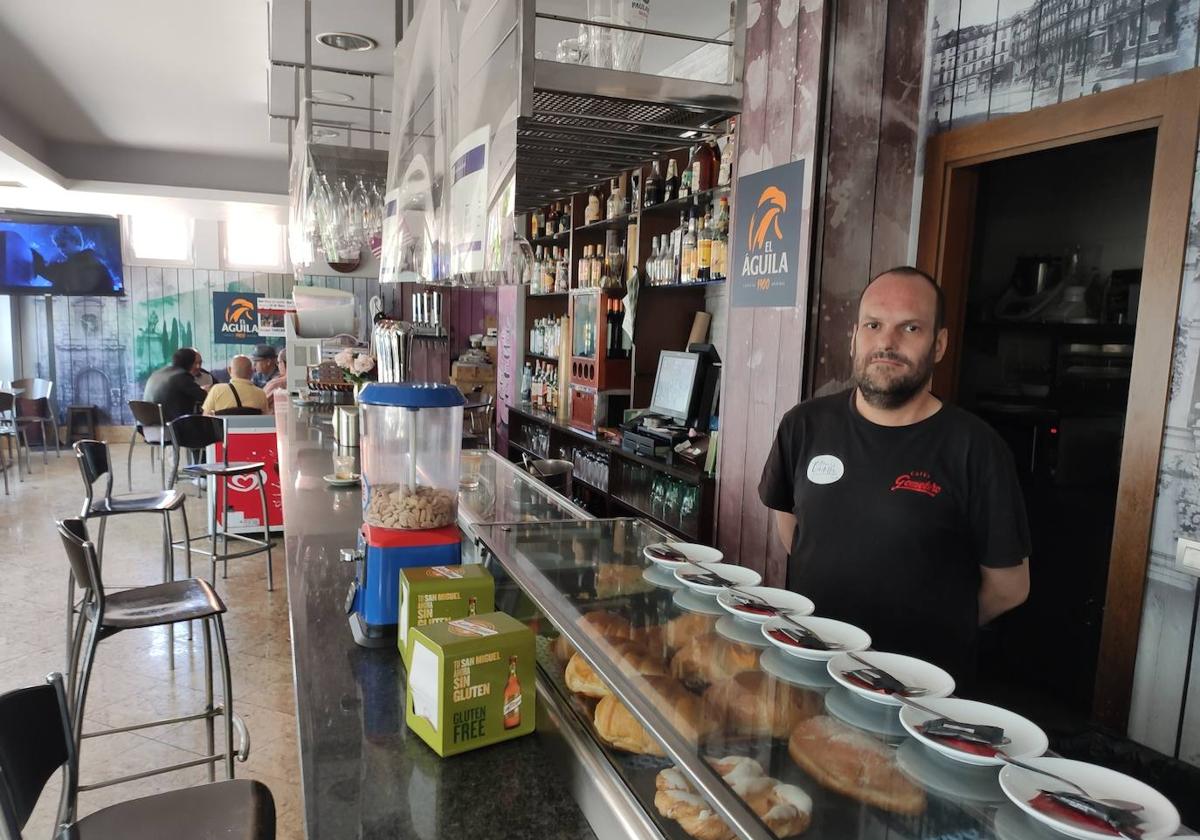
<point x="512" y="696"/>
<point x="471" y="605"/>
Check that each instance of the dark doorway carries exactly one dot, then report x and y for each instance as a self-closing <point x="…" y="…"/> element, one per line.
<point x="1046" y="359"/>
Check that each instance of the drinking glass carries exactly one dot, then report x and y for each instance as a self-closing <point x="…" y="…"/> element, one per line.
<point x="670" y="513"/>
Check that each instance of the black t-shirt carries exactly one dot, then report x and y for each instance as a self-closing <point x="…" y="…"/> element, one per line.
<point x="893" y="523"/>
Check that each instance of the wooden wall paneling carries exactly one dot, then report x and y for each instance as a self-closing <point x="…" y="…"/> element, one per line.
<point x="736" y="486"/>
<point x="202" y="298"/>
<point x="954" y="272"/>
<point x="904" y="57"/>
<point x="851" y="161"/>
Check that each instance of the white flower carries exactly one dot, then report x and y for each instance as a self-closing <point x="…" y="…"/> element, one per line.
<point x="363" y="363"/>
<point x="344" y="358"/>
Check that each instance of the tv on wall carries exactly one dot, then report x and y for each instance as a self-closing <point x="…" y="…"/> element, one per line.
<point x="54" y="254"/>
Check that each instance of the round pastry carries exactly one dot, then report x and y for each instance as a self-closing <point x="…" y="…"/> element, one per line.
<point x="786" y="809"/>
<point x="613" y="579"/>
<point x="854" y="764"/>
<point x="582" y="679"/>
<point x="754" y="703"/>
<point x="680" y="630"/>
<point x="600" y="624"/>
<point x="709" y="657"/>
<point x="617" y="726"/>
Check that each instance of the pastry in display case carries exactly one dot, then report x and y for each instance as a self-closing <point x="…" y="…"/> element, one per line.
<point x="786" y="809"/>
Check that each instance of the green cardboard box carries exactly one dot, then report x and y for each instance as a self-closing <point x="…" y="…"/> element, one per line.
<point x="431" y="594"/>
<point x="471" y="682"/>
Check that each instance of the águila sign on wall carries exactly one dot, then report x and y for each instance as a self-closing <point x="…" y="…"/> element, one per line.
<point x="765" y="264"/>
<point x="235" y="317"/>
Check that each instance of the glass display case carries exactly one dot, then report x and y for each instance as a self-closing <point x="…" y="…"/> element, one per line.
<point x="707" y="729"/>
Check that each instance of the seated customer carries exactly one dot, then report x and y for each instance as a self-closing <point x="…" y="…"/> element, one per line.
<point x="279" y="383"/>
<point x="174" y="386"/>
<point x="239" y="395"/>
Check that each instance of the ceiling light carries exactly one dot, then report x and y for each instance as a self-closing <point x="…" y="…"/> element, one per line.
<point x="688" y="134"/>
<point x="348" y="41"/>
<point x="332" y="96"/>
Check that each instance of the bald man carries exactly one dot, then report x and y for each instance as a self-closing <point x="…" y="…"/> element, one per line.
<point x="901" y="514"/>
<point x="239" y="395"/>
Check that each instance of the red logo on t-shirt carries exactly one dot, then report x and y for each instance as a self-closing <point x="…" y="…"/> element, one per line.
<point x="917" y="481"/>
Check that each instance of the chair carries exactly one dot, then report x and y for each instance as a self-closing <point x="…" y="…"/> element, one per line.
<point x="39" y="391"/>
<point x="150" y="426"/>
<point x="10" y="431"/>
<point x="198" y="432"/>
<point x="83" y="422"/>
<point x="36" y="741"/>
<point x="94" y="464"/>
<point x="479" y="426"/>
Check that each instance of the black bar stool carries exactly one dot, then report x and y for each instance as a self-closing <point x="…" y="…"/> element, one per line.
<point x="11" y="431"/>
<point x="150" y="426"/>
<point x="94" y="464"/>
<point x="197" y="431"/>
<point x="36" y="741"/>
<point x="39" y="391"/>
<point x="103" y="615"/>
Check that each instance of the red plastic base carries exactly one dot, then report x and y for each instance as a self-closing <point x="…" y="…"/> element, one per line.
<point x="380" y="537"/>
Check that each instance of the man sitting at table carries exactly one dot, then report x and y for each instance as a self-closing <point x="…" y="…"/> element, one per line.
<point x="239" y="395"/>
<point x="174" y="386"/>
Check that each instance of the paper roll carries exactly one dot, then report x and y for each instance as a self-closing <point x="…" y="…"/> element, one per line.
<point x="700" y="324"/>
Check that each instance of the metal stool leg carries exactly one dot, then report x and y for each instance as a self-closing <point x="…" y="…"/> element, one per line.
<point x="129" y="459"/>
<point x="100" y="541"/>
<point x="57" y="442"/>
<point x="266" y="515"/>
<point x="224" y="496"/>
<point x="212" y="529"/>
<point x="74" y="646"/>
<point x="83" y="677"/>
<point x="187" y="552"/>
<point x="227" y="693"/>
<point x="209" y="727"/>
<point x="70" y="615"/>
<point x="45" y="443"/>
<point x="168" y="576"/>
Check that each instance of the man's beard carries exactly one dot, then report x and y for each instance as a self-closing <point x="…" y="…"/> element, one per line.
<point x="892" y="392"/>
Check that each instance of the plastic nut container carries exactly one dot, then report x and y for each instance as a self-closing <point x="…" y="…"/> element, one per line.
<point x="410" y="442"/>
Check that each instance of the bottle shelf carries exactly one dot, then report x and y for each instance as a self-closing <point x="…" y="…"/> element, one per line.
<point x="615" y="223"/>
<point x="663" y="287"/>
<point x="553" y="239"/>
<point x="542" y="358"/>
<point x="677" y="204"/>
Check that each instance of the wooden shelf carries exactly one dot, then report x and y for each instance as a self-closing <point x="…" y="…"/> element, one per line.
<point x="677" y="204"/>
<point x="663" y="287"/>
<point x="553" y="239"/>
<point x="543" y="358"/>
<point x="615" y="223"/>
<point x="549" y="294"/>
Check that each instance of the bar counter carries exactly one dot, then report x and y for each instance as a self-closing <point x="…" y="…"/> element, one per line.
<point x="363" y="775"/>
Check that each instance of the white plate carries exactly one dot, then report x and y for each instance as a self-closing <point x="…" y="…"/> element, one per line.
<point x="913" y="672"/>
<point x="661" y="577"/>
<point x="947" y="778"/>
<point x="791" y="602"/>
<point x="795" y="671"/>
<point x="869" y="717"/>
<point x="696" y="602"/>
<point x="1027" y="740"/>
<point x="694" y="551"/>
<point x="340" y="482"/>
<point x="830" y="630"/>
<point x="739" y="575"/>
<point x="1021" y="786"/>
<point x="740" y="631"/>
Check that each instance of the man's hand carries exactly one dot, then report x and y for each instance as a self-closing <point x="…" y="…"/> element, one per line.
<point x="785" y="524"/>
<point x="1002" y="589"/>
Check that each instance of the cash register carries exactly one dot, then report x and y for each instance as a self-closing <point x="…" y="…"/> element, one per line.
<point x="685" y="390"/>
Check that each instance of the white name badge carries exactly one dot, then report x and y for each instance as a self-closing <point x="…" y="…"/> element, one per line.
<point x="825" y="469"/>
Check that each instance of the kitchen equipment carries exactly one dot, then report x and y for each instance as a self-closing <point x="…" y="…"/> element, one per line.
<point x="345" y="426"/>
<point x="553" y="471"/>
<point x="393" y="349"/>
<point x="322" y="312"/>
<point x="1035" y="275"/>
<point x="410" y="438"/>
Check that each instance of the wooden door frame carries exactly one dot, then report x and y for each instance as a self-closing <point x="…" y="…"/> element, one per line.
<point x="1171" y="105"/>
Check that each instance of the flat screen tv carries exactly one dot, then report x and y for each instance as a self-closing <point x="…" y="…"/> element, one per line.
<point x="54" y="254"/>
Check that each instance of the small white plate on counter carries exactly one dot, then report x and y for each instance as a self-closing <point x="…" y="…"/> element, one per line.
<point x="794" y="671"/>
<point x="869" y="717"/>
<point x="740" y="632"/>
<point x="913" y="672"/>
<point x="1022" y="786"/>
<point x="341" y="482"/>
<point x="661" y="577"/>
<point x="737" y="575"/>
<point x="695" y="553"/>
<point x="1026" y="738"/>
<point x="947" y="778"/>
<point x="832" y="631"/>
<point x="781" y="600"/>
<point x="696" y="602"/>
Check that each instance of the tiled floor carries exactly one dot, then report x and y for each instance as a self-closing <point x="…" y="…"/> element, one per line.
<point x="131" y="681"/>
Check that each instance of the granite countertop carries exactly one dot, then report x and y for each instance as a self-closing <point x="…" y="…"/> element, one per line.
<point x="363" y="774"/>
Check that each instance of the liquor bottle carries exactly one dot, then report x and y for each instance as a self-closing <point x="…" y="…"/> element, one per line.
<point x="614" y="200"/>
<point x="704" y="165"/>
<point x="512" y="696"/>
<point x="594" y="211"/>
<point x="653" y="190"/>
<point x="534" y="233"/>
<point x="671" y="186"/>
<point x="562" y="271"/>
<point x="564" y="218"/>
<point x="471" y="605"/>
<point x="635" y="190"/>
<point x="687" y="265"/>
<point x="721" y="244"/>
<point x="548" y="272"/>
<point x="582" y="270"/>
<point x="537" y="272"/>
<point x="704" y="243"/>
<point x="685" y="183"/>
<point x="535" y="391"/>
<point x="526" y="383"/>
<point x="725" y="171"/>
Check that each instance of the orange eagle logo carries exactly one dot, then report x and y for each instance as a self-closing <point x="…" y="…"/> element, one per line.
<point x="239" y="309"/>
<point x="771" y="203"/>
